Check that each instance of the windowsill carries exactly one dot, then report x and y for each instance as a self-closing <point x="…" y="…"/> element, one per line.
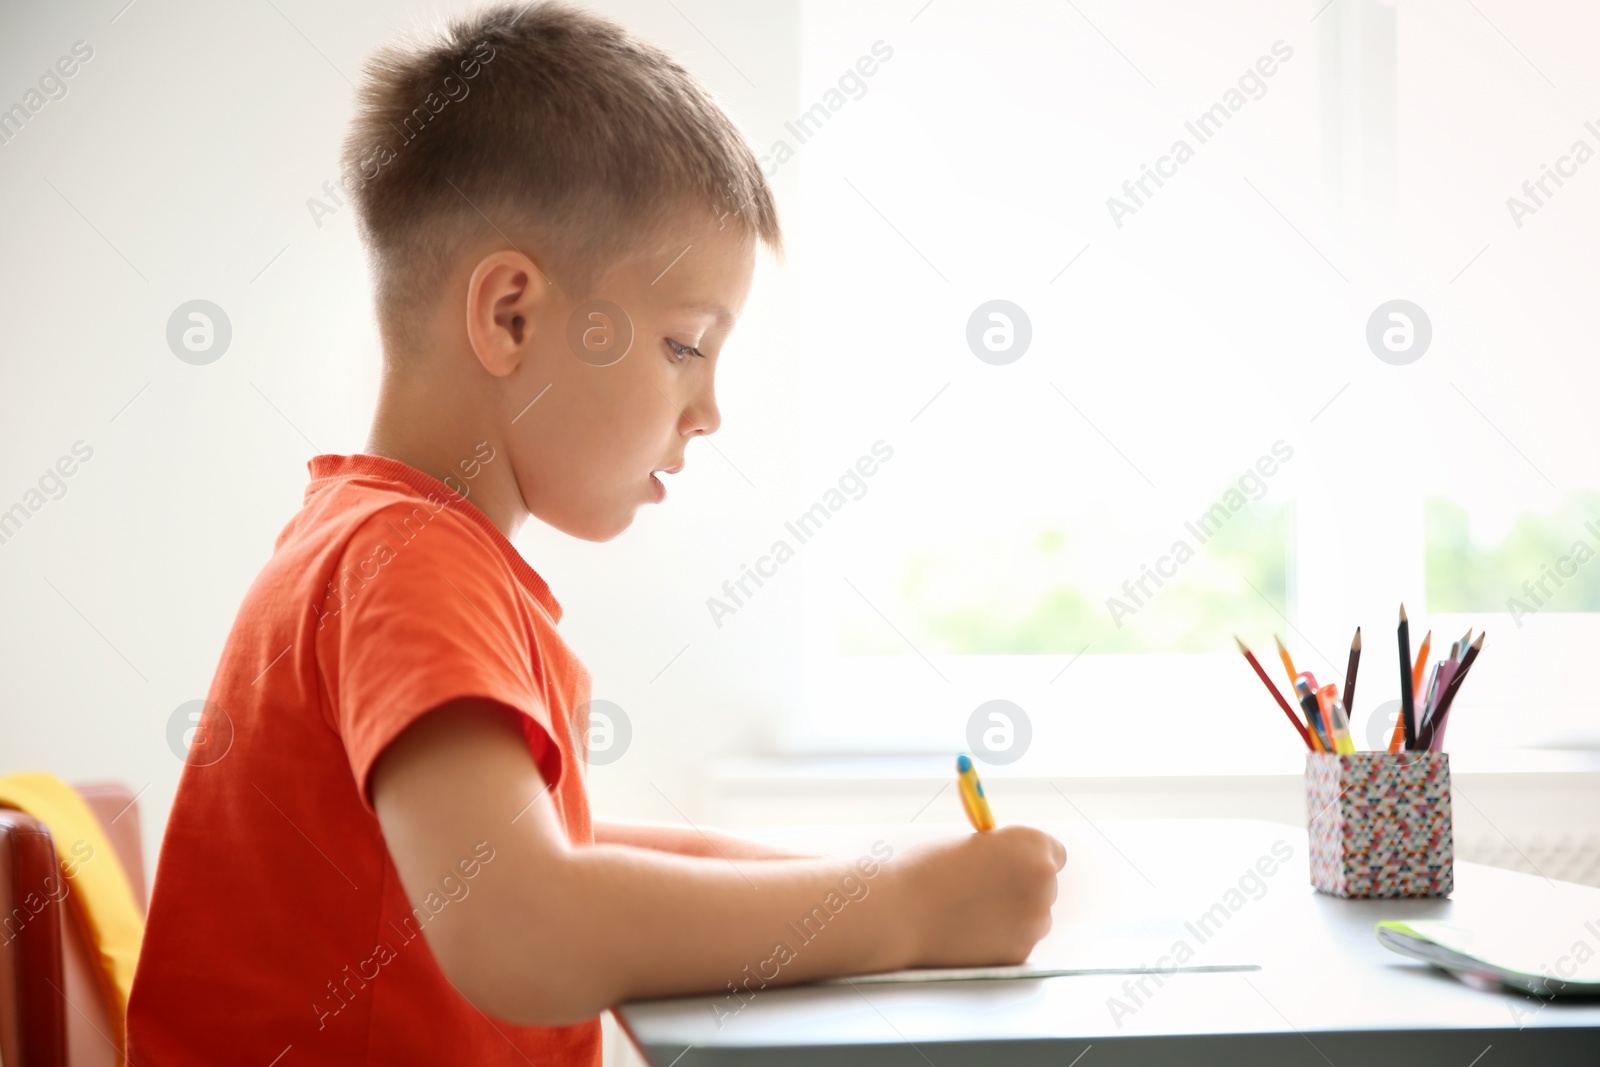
<point x="786" y="771"/>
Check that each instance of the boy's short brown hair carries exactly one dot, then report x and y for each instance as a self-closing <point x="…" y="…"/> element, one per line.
<point x="537" y="119"/>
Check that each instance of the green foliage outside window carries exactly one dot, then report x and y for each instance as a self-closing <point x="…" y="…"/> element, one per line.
<point x="1021" y="592"/>
<point x="1466" y="575"/>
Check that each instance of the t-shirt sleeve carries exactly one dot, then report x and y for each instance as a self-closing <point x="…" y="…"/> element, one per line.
<point x="422" y="612"/>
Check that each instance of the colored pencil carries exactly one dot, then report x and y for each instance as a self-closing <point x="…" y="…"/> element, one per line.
<point x="1422" y="662"/>
<point x="1288" y="664"/>
<point x="1397" y="739"/>
<point x="1436" y="727"/>
<point x="1408" y="709"/>
<point x="1350" y="673"/>
<point x="1282" y="703"/>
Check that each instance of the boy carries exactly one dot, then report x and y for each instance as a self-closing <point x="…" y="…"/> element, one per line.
<point x="392" y="860"/>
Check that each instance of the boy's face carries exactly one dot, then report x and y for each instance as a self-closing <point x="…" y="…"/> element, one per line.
<point x="623" y="380"/>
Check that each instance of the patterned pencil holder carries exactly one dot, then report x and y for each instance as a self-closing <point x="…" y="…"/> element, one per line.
<point x="1380" y="824"/>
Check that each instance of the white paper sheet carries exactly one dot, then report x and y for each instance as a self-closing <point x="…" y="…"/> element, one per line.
<point x="1144" y="946"/>
<point x="1022" y="970"/>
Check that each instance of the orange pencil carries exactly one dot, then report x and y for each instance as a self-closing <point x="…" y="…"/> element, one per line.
<point x="1421" y="664"/>
<point x="1397" y="740"/>
<point x="1288" y="664"/>
<point x="1282" y="703"/>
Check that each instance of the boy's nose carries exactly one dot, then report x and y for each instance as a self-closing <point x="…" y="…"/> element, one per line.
<point x="703" y="416"/>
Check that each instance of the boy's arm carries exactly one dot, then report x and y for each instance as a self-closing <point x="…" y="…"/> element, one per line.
<point x="688" y="841"/>
<point x="549" y="934"/>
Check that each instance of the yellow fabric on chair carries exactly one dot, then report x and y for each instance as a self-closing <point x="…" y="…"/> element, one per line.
<point x="99" y="898"/>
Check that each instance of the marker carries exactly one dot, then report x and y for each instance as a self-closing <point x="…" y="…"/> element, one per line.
<point x="1338" y="723"/>
<point x="973" y="801"/>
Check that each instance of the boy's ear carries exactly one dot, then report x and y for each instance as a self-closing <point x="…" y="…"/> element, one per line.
<point x="503" y="294"/>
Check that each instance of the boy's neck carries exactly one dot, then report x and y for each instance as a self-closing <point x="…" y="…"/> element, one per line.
<point x="435" y="432"/>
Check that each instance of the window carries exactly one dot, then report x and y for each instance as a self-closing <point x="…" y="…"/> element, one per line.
<point x="1197" y="212"/>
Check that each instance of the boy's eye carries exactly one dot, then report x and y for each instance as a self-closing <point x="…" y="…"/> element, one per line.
<point x="679" y="351"/>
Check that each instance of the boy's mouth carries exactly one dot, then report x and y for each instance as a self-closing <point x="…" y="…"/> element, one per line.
<point x="658" y="485"/>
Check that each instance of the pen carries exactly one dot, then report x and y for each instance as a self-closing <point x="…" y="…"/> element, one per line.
<point x="1304" y="689"/>
<point x="1429" y="693"/>
<point x="973" y="801"/>
<point x="1448" y="669"/>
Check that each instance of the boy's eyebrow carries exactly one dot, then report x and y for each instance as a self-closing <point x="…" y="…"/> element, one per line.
<point x="723" y="316"/>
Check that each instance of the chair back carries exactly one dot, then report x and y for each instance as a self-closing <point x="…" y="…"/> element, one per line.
<point x="52" y="1013"/>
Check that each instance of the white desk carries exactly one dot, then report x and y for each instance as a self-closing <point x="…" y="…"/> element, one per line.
<point x="1326" y="993"/>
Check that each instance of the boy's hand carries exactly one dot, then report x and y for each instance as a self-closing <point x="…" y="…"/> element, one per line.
<point x="554" y="932"/>
<point x="979" y="900"/>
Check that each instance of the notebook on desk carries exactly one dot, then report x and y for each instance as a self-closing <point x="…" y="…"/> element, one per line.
<point x="1544" y="962"/>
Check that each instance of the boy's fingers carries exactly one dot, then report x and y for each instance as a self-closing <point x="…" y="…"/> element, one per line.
<point x="1056" y="850"/>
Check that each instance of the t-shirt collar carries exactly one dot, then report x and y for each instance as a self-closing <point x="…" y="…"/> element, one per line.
<point x="329" y="467"/>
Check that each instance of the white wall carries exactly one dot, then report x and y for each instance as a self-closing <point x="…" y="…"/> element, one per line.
<point x="178" y="166"/>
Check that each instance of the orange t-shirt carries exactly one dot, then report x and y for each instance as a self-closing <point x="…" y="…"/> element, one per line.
<point x="279" y="932"/>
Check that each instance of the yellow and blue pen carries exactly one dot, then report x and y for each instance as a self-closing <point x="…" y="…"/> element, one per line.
<point x="973" y="801"/>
